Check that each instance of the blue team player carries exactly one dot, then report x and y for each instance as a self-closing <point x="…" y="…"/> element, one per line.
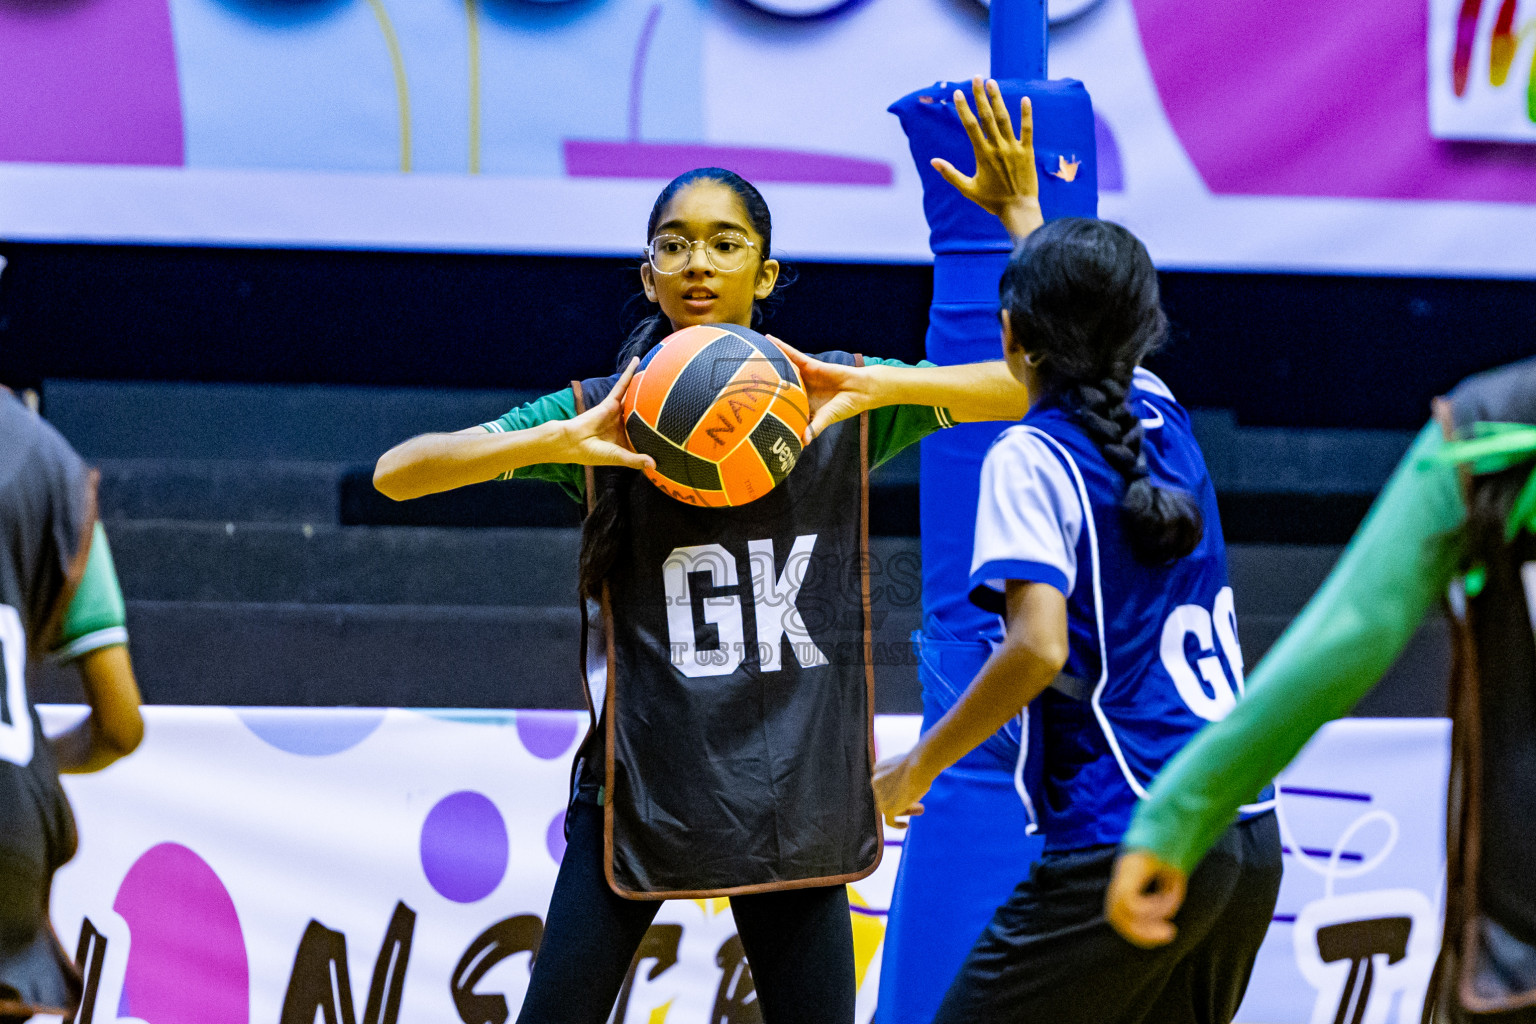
<point x="1098" y="540"/>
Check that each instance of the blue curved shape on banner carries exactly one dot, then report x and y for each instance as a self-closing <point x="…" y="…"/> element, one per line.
<point x="302" y="732"/>
<point x="972" y="845"/>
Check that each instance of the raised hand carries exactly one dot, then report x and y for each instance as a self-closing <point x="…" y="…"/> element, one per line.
<point x="1006" y="183"/>
<point x="597" y="437"/>
<point x="1144" y="894"/>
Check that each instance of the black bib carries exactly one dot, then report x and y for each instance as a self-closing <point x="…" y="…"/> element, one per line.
<point x="740" y="691"/>
<point x="1488" y="959"/>
<point x="47" y="513"/>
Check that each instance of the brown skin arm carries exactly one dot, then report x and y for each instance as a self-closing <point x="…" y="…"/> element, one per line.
<point x="970" y="392"/>
<point x="1005" y="185"/>
<point x="1032" y="652"/>
<point x="442" y="462"/>
<point x="114" y="727"/>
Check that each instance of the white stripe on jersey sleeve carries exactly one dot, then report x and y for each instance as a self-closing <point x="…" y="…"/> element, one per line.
<point x="1028" y="518"/>
<point x="495" y="427"/>
<point x="1151" y="383"/>
<point x="111" y="636"/>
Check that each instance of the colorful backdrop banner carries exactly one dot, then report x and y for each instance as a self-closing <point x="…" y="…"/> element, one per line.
<point x="258" y="865"/>
<point x="1384" y="135"/>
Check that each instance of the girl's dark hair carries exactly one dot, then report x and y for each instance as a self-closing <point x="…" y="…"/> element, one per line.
<point x="1082" y="298"/>
<point x="604" y="528"/>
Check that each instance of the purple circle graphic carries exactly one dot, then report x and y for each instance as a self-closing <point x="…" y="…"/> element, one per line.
<point x="547" y="734"/>
<point x="554" y="837"/>
<point x="464" y="847"/>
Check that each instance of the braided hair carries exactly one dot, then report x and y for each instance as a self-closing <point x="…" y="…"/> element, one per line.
<point x="1082" y="296"/>
<point x="605" y="526"/>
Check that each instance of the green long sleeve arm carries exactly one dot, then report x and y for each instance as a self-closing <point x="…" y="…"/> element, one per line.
<point x="1397" y="565"/>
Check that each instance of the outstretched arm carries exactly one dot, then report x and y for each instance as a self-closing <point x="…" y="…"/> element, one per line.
<point x="969" y="392"/>
<point x="1349" y="634"/>
<point x="441" y="462"/>
<point x="1031" y="654"/>
<point x="1007" y="186"/>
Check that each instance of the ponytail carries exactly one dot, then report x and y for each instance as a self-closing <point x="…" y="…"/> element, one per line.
<point x="648" y="333"/>
<point x="1162" y="523"/>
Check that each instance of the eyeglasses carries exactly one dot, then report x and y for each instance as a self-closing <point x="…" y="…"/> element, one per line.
<point x="726" y="252"/>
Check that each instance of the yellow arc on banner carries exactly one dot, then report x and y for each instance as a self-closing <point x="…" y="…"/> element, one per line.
<point x="472" y="14"/>
<point x="402" y="87"/>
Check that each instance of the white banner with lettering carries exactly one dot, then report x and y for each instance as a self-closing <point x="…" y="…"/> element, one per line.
<point x="259" y="865"/>
<point x="1376" y="136"/>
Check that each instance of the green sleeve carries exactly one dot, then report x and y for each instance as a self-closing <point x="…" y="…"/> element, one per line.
<point x="893" y="427"/>
<point x="1399" y="563"/>
<point x="96" y="617"/>
<point x="558" y="405"/>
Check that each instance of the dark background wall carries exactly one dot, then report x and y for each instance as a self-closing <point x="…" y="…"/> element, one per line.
<point x="1279" y="350"/>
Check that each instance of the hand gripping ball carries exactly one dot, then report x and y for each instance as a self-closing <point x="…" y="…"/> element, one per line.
<point x="721" y="409"/>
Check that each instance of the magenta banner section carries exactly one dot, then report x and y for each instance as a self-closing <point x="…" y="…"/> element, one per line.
<point x="89" y="82"/>
<point x="1292" y="99"/>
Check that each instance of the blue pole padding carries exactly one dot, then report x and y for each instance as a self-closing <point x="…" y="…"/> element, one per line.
<point x="1019" y="39"/>
<point x="970" y="249"/>
<point x="972" y="846"/>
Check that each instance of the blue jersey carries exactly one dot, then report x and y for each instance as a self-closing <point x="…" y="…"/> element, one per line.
<point x="1154" y="652"/>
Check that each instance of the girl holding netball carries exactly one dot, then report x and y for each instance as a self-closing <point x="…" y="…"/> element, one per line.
<point x="1098" y="541"/>
<point x="740" y="768"/>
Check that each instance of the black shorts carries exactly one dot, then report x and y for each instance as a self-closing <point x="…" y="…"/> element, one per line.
<point x="1049" y="954"/>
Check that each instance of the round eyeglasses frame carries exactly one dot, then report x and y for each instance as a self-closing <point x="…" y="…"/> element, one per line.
<point x="653" y="255"/>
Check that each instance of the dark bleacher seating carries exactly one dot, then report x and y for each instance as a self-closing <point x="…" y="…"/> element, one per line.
<point x="218" y="490"/>
<point x="134" y="420"/>
<point x="261" y="568"/>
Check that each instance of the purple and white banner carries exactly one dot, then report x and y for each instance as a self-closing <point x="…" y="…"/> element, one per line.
<point x="1357" y="927"/>
<point x="1482" y="70"/>
<point x="1378" y="136"/>
<point x="256" y="865"/>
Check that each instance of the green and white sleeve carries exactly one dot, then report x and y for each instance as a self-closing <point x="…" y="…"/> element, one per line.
<point x="891" y="429"/>
<point x="558" y="405"/>
<point x="1398" y="565"/>
<point x="96" y="616"/>
<point x="894" y="427"/>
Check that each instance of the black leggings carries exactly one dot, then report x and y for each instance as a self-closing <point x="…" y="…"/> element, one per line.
<point x="799" y="943"/>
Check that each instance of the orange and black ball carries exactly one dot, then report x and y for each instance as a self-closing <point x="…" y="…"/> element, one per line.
<point x="721" y="409"/>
